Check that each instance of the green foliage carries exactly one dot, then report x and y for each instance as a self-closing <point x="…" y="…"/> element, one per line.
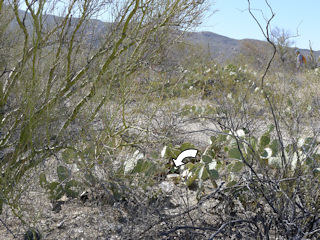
<point x="67" y="186"/>
<point x="229" y="154"/>
<point x="146" y="167"/>
<point x="72" y="188"/>
<point x="55" y="190"/>
<point x="89" y="180"/>
<point x="63" y="173"/>
<point x="235" y="153"/>
<point x="68" y="155"/>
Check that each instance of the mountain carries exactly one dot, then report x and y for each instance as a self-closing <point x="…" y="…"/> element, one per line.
<point x="223" y="48"/>
<point x="219" y="47"/>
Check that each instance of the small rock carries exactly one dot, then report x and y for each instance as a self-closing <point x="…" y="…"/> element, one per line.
<point x="174" y="177"/>
<point x="64" y="198"/>
<point x="166" y="186"/>
<point x="117" y="205"/>
<point x="118" y="228"/>
<point x="60" y="225"/>
<point x="56" y="207"/>
<point x="85" y="196"/>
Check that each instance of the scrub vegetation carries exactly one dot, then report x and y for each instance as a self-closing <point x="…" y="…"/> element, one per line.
<point x="92" y="115"/>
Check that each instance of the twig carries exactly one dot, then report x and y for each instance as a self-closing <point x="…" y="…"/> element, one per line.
<point x="266" y="35"/>
<point x="187" y="227"/>
<point x="231" y="222"/>
<point x="185" y="212"/>
<point x="3" y="223"/>
<point x="309" y="234"/>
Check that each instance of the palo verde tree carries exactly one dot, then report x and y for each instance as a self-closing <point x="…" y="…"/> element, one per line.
<point x="62" y="71"/>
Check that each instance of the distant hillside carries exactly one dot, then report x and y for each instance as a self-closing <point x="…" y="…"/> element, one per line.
<point x="223" y="48"/>
<point x="220" y="47"/>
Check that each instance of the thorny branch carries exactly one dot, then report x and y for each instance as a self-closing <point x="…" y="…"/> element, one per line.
<point x="272" y="107"/>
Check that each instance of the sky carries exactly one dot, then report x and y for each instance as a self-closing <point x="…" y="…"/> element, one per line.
<point x="300" y="18"/>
